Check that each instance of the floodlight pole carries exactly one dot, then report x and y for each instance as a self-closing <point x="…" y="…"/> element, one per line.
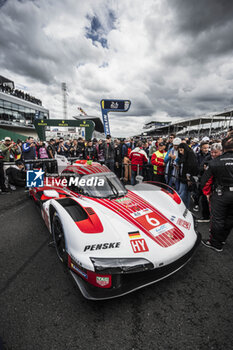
<point x="64" y="95"/>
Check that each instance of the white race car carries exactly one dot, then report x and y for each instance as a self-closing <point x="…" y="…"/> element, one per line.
<point x="115" y="239"/>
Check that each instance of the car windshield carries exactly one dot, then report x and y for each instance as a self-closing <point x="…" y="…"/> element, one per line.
<point x="104" y="185"/>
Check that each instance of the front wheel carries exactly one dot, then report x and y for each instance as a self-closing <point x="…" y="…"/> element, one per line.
<point x="59" y="239"/>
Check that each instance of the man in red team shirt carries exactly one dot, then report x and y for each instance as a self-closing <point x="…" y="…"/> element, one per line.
<point x="138" y="158"/>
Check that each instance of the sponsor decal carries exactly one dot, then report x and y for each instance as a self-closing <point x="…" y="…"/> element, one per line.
<point x="35" y="178"/>
<point x="173" y="218"/>
<point x="164" y="228"/>
<point x="184" y="223"/>
<point x="101" y="246"/>
<point x="124" y="200"/>
<point x="139" y="245"/>
<point x="139" y="213"/>
<point x="82" y="273"/>
<point x="102" y="281"/>
<point x="135" y="234"/>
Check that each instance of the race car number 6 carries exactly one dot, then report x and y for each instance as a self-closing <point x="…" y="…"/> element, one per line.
<point x="152" y="221"/>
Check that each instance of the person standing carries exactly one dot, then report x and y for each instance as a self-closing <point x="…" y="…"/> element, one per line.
<point x="9" y="148"/>
<point x="220" y="172"/>
<point x="126" y="161"/>
<point x="138" y="158"/>
<point x="51" y="150"/>
<point x="171" y="168"/>
<point x="29" y="152"/>
<point x="157" y="160"/>
<point x="169" y="144"/>
<point x="109" y="153"/>
<point x="188" y="168"/>
<point x="100" y="151"/>
<point x="90" y="152"/>
<point x="80" y="148"/>
<point x="118" y="165"/>
<point x="2" y="175"/>
<point x="203" y="157"/>
<point x="61" y="148"/>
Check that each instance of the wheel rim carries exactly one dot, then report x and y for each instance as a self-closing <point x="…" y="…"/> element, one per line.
<point x="59" y="239"/>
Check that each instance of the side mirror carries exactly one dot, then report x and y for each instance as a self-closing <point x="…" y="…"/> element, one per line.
<point x="51" y="193"/>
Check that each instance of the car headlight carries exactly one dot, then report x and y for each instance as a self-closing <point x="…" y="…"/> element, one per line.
<point x="121" y="265"/>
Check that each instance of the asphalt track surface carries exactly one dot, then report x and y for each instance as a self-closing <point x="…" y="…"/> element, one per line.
<point x="41" y="308"/>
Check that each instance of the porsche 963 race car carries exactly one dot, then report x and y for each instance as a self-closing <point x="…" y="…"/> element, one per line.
<point x="115" y="239"/>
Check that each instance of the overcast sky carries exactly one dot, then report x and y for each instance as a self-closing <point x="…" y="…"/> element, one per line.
<point x="171" y="58"/>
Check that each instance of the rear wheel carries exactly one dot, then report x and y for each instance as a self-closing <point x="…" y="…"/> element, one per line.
<point x="59" y="239"/>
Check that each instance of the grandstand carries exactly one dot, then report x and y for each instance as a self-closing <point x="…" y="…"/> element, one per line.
<point x="214" y="124"/>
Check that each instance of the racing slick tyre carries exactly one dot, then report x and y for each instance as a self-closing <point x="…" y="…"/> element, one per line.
<point x="59" y="239"/>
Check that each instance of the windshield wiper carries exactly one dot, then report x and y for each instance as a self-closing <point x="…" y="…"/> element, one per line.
<point x="113" y="188"/>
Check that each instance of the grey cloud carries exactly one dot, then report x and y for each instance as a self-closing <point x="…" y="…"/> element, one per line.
<point x="197" y="16"/>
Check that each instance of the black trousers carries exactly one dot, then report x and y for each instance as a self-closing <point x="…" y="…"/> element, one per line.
<point x="2" y="177"/>
<point x="159" y="178"/>
<point x="204" y="207"/>
<point x="221" y="217"/>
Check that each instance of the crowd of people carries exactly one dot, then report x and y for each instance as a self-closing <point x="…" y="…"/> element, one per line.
<point x="181" y="163"/>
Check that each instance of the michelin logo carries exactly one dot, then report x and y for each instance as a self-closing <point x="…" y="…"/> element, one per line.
<point x="35" y="178"/>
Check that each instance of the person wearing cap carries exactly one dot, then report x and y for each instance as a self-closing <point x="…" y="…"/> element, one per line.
<point x="205" y="139"/>
<point x="8" y="147"/>
<point x="171" y="173"/>
<point x="195" y="145"/>
<point x="157" y="160"/>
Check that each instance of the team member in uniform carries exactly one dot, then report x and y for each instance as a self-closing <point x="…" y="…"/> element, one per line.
<point x="220" y="172"/>
<point x="157" y="160"/>
<point x="138" y="158"/>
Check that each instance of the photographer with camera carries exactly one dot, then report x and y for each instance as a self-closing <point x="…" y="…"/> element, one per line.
<point x="61" y="148"/>
<point x="8" y="148"/>
<point x="29" y="152"/>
